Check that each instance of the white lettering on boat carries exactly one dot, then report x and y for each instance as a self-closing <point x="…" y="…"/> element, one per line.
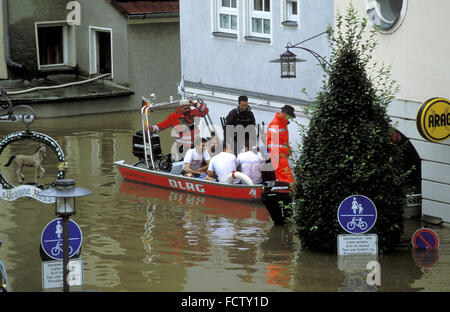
<point x="199" y="188"/>
<point x="188" y="186"/>
<point x="173" y="183"/>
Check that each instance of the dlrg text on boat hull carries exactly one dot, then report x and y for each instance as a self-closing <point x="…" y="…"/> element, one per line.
<point x="188" y="186"/>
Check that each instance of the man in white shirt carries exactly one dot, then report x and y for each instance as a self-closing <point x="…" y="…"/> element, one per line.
<point x="222" y="165"/>
<point x="194" y="158"/>
<point x="250" y="164"/>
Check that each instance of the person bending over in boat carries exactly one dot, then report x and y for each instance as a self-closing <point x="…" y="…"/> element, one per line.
<point x="250" y="163"/>
<point x="222" y="165"/>
<point x="183" y="124"/>
<point x="194" y="159"/>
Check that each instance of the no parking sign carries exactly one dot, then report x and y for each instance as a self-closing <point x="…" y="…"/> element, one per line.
<point x="425" y="239"/>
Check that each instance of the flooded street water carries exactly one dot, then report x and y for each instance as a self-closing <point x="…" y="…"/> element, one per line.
<point x="142" y="238"/>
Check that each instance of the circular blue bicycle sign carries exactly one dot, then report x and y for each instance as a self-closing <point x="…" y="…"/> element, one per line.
<point x="357" y="214"/>
<point x="52" y="239"/>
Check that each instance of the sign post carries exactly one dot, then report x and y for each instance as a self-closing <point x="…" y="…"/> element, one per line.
<point x="52" y="273"/>
<point x="425" y="247"/>
<point x="366" y="244"/>
<point x="65" y="193"/>
<point x="52" y="239"/>
<point x="425" y="239"/>
<point x="57" y="245"/>
<point x="357" y="214"/>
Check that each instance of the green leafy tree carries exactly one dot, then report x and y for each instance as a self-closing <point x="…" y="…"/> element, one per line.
<point x="346" y="148"/>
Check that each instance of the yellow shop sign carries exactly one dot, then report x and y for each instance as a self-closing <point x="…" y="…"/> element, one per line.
<point x="433" y="120"/>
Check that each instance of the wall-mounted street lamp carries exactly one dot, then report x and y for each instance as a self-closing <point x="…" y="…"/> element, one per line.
<point x="288" y="59"/>
<point x="65" y="193"/>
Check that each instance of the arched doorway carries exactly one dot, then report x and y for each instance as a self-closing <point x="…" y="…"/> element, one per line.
<point x="413" y="183"/>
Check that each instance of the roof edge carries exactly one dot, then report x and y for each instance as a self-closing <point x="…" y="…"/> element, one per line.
<point x="125" y="13"/>
<point x="152" y="15"/>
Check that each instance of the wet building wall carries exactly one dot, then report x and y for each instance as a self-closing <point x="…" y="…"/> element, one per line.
<point x="144" y="56"/>
<point x="154" y="63"/>
<point x="23" y="14"/>
<point x="98" y="17"/>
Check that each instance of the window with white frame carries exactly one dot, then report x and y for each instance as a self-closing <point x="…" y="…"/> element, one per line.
<point x="225" y="18"/>
<point x="290" y="12"/>
<point x="100" y="50"/>
<point x="260" y="18"/>
<point x="228" y="16"/>
<point x="55" y="44"/>
<point x="386" y="15"/>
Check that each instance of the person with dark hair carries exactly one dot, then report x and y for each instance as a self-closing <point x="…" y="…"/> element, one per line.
<point x="222" y="165"/>
<point x="278" y="144"/>
<point x="241" y="115"/>
<point x="194" y="160"/>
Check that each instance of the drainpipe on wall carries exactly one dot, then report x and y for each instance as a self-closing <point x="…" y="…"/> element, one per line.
<point x="9" y="61"/>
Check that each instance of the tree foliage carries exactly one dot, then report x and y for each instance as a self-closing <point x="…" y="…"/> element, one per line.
<point x="346" y="149"/>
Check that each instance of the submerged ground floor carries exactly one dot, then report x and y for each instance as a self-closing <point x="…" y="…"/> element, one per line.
<point x="142" y="238"/>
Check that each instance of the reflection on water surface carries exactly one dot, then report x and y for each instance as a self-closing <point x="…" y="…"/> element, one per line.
<point x="143" y="238"/>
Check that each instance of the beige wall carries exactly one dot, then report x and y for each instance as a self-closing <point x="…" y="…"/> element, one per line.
<point x="3" y="68"/>
<point x="418" y="50"/>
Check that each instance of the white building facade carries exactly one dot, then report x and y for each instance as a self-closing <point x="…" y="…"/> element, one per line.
<point x="227" y="45"/>
<point x="414" y="41"/>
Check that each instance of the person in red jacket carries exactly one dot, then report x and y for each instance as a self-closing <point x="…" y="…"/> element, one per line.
<point x="278" y="144"/>
<point x="183" y="124"/>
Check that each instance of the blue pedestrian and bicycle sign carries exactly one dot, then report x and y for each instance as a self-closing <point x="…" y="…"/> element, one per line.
<point x="52" y="239"/>
<point x="357" y="214"/>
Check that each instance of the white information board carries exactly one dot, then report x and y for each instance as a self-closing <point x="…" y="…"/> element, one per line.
<point x="351" y="244"/>
<point x="52" y="273"/>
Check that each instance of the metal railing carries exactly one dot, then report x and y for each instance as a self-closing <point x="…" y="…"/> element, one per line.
<point x="10" y="113"/>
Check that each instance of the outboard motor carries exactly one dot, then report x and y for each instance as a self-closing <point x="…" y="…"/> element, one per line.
<point x="274" y="192"/>
<point x="267" y="171"/>
<point x="138" y="146"/>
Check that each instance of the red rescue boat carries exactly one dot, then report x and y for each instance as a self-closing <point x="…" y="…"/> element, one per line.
<point x="190" y="185"/>
<point x="154" y="168"/>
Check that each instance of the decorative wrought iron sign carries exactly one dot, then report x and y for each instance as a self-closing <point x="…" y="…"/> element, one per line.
<point x="35" y="158"/>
